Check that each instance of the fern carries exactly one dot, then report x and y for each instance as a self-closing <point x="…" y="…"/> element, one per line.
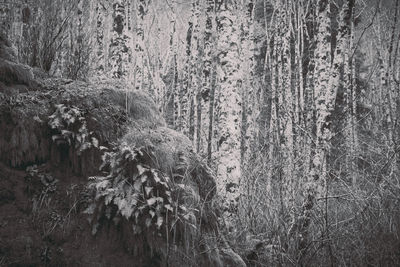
<point x="71" y="127"/>
<point x="134" y="191"/>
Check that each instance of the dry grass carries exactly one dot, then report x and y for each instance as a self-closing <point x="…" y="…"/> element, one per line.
<point x="139" y="106"/>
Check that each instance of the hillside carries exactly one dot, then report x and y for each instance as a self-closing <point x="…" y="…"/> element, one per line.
<point x="54" y="133"/>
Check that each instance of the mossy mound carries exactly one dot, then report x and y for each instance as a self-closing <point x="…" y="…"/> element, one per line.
<point x="160" y="192"/>
<point x="52" y="139"/>
<point x="26" y="139"/>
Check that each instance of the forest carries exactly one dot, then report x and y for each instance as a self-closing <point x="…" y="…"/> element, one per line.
<point x="251" y="132"/>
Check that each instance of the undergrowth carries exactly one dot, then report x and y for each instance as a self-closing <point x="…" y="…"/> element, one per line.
<point x="133" y="190"/>
<point x="71" y="127"/>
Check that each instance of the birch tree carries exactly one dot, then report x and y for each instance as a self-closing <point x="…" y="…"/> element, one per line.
<point x="184" y="93"/>
<point x="287" y="107"/>
<point x="347" y="43"/>
<point x="139" y="70"/>
<point x="393" y="91"/>
<point x="119" y="50"/>
<point x="323" y="96"/>
<point x="250" y="107"/>
<point x="100" y="59"/>
<point x="228" y="110"/>
<point x="207" y="74"/>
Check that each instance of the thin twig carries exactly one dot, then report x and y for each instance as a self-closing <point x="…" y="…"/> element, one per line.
<point x="365" y="29"/>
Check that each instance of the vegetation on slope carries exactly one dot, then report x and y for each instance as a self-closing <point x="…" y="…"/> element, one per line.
<point x="150" y="204"/>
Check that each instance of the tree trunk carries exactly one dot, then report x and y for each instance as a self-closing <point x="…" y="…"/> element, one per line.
<point x="324" y="93"/>
<point x="228" y="109"/>
<point x="119" y="51"/>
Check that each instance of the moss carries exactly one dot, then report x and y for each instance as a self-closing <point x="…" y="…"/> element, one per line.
<point x="172" y="153"/>
<point x="7" y="52"/>
<point x="140" y="107"/>
<point x="12" y="73"/>
<point x="26" y="138"/>
<point x="165" y="144"/>
<point x="23" y="139"/>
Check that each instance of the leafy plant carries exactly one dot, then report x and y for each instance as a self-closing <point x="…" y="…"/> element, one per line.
<point x="133" y="190"/>
<point x="71" y="126"/>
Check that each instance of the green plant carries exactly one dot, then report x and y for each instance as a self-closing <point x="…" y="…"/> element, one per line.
<point x="71" y="127"/>
<point x="131" y="189"/>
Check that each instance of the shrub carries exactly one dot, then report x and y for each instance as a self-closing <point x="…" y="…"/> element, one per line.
<point x="71" y="127"/>
<point x="131" y="189"/>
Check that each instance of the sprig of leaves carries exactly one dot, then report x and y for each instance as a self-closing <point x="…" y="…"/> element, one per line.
<point x="135" y="191"/>
<point x="71" y="125"/>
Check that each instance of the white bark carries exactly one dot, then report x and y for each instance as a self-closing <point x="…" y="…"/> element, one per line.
<point x="140" y="71"/>
<point x="250" y="107"/>
<point x="324" y="94"/>
<point x="119" y="50"/>
<point x="228" y="110"/>
<point x="205" y="91"/>
<point x="287" y="112"/>
<point x="324" y="97"/>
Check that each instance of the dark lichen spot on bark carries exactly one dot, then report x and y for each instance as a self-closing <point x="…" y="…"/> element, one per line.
<point x="118" y="24"/>
<point x="231" y="187"/>
<point x="222" y="139"/>
<point x="26" y="15"/>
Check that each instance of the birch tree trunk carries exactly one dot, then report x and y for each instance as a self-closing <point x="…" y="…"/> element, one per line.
<point x="324" y="94"/>
<point x="102" y="25"/>
<point x="273" y="136"/>
<point x="393" y="94"/>
<point x="347" y="40"/>
<point x="208" y="70"/>
<point x="119" y="51"/>
<point x="354" y="98"/>
<point x="184" y="94"/>
<point x="250" y="107"/>
<point x="228" y="111"/>
<point x="176" y="83"/>
<point x="195" y="65"/>
<point x="299" y="95"/>
<point x="287" y="106"/>
<point x="140" y="71"/>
